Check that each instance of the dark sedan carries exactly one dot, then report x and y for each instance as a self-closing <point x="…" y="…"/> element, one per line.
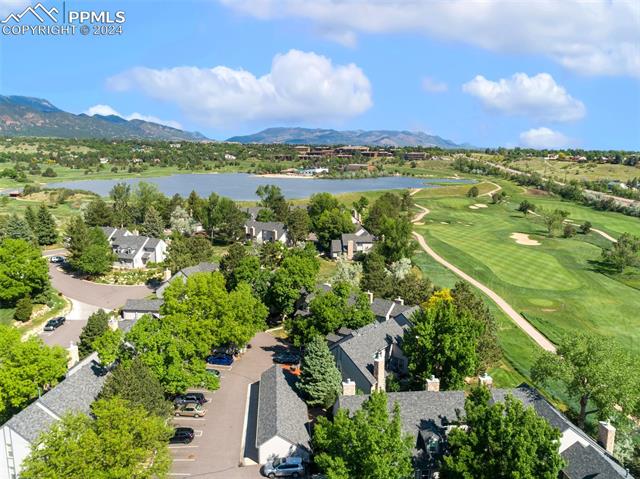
<point x="182" y="435"/>
<point x="286" y="358"/>
<point x="54" y="323"/>
<point x="190" y="397"/>
<point x="220" y="359"/>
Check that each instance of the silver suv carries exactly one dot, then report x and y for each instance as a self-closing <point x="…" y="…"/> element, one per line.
<point x="288" y="467"/>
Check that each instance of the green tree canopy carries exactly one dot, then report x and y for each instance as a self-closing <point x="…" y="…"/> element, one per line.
<point x="90" y="251"/>
<point x="503" y="439"/>
<point x="134" y="381"/>
<point x="595" y="371"/>
<point x="98" y="213"/>
<point x="443" y="342"/>
<point x="28" y="368"/>
<point x="18" y="228"/>
<point x="298" y="271"/>
<point x="320" y="380"/>
<point x="298" y="225"/>
<point x="622" y="254"/>
<point x="338" y="307"/>
<point x="153" y="224"/>
<point x="187" y="251"/>
<point x="218" y="317"/>
<point x="23" y="271"/>
<point x="272" y="198"/>
<point x="368" y="445"/>
<point x="123" y="441"/>
<point x="96" y="325"/>
<point x="120" y="194"/>
<point x="395" y="239"/>
<point x="223" y="220"/>
<point x="45" y="230"/>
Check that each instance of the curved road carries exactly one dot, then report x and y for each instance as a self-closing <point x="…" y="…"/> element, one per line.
<point x="527" y="327"/>
<point x="105" y="296"/>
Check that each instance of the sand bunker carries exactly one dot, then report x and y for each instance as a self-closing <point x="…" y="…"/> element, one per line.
<point x="477" y="206"/>
<point x="419" y="224"/>
<point x="524" y="239"/>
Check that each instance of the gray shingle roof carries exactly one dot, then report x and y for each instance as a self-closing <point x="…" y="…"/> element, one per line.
<point x="281" y="412"/>
<point x="267" y="226"/>
<point x="357" y="239"/>
<point x="419" y="410"/>
<point x="336" y="246"/>
<point x="381" y="307"/>
<point x="125" y="325"/>
<point x="143" y="305"/>
<point x="203" y="267"/>
<point x="365" y="342"/>
<point x="74" y="394"/>
<point x="585" y="462"/>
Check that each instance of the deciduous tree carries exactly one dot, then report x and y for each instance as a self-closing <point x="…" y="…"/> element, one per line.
<point x="595" y="371"/>
<point x="443" y="342"/>
<point x="502" y="439"/>
<point x="368" y="445"/>
<point x="187" y="251"/>
<point x="98" y="213"/>
<point x="23" y="271"/>
<point x="122" y="441"/>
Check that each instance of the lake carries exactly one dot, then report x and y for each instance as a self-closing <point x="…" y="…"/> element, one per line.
<point x="242" y="186"/>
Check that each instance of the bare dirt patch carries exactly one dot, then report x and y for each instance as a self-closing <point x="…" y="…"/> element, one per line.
<point x="477" y="206"/>
<point x="524" y="239"/>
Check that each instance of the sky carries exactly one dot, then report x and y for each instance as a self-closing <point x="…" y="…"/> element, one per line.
<point x="537" y="73"/>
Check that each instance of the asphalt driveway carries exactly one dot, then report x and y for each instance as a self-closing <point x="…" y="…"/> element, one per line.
<point x="217" y="451"/>
<point x="101" y="295"/>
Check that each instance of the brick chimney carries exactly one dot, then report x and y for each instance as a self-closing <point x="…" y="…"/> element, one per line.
<point x="74" y="354"/>
<point x="348" y="388"/>
<point x="370" y="296"/>
<point x="433" y="384"/>
<point x="485" y="380"/>
<point x="379" y="371"/>
<point x="606" y="435"/>
<point x="350" y="249"/>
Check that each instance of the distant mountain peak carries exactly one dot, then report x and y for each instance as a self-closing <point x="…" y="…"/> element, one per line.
<point x="27" y="116"/>
<point x="322" y="136"/>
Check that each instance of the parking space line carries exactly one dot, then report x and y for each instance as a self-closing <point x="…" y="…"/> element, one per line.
<point x="183" y="418"/>
<point x="182" y="447"/>
<point x="182" y="474"/>
<point x="198" y="432"/>
<point x="183" y="460"/>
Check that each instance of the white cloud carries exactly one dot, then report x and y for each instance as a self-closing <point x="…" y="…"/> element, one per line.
<point x="598" y="37"/>
<point x="432" y="85"/>
<point x="106" y="110"/>
<point x="538" y="96"/>
<point x="544" y="137"/>
<point x="300" y="86"/>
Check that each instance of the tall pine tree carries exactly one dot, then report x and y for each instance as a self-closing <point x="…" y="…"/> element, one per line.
<point x="320" y="380"/>
<point x="45" y="229"/>
<point x="153" y="223"/>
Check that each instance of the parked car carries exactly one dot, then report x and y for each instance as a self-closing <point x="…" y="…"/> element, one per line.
<point x="220" y="359"/>
<point x="54" y="323"/>
<point x="192" y="409"/>
<point x="182" y="435"/>
<point x="287" y="467"/>
<point x="56" y="259"/>
<point x="189" y="398"/>
<point x="286" y="357"/>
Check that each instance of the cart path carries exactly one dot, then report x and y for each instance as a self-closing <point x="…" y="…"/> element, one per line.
<point x="525" y="325"/>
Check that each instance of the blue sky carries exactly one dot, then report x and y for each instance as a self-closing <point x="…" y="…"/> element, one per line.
<point x="489" y="73"/>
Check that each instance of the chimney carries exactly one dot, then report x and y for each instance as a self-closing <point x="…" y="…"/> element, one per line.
<point x="379" y="371"/>
<point x="399" y="301"/>
<point x="348" y="388"/>
<point x="433" y="384"/>
<point x="166" y="275"/>
<point x="370" y="295"/>
<point x="253" y="231"/>
<point x="606" y="435"/>
<point x="74" y="354"/>
<point x="486" y="380"/>
<point x="350" y="249"/>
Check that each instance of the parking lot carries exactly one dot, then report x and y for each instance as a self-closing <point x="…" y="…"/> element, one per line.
<point x="217" y="450"/>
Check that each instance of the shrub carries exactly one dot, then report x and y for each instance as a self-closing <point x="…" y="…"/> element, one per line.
<point x="23" y="311"/>
<point x="473" y="192"/>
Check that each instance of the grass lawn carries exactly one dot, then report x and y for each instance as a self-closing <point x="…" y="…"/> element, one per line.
<point x="39" y="314"/>
<point x="556" y="284"/>
<point x="61" y="212"/>
<point x="567" y="171"/>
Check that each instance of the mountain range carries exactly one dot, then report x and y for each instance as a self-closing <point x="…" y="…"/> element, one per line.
<point x="26" y="116"/>
<point x="316" y="136"/>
